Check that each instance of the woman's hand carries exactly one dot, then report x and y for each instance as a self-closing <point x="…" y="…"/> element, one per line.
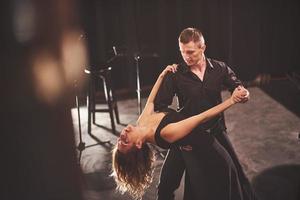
<point x="169" y="68"/>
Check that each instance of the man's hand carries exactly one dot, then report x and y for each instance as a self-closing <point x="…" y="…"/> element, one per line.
<point x="240" y="95"/>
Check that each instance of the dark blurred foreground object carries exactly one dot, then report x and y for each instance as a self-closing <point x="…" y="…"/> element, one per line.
<point x="40" y="59"/>
<point x="278" y="183"/>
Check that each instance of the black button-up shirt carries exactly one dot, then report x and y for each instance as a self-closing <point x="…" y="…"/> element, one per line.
<point x="194" y="95"/>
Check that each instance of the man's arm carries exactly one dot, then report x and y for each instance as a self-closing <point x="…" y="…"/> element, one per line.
<point x="230" y="79"/>
<point x="231" y="82"/>
<point x="165" y="93"/>
<point x="149" y="106"/>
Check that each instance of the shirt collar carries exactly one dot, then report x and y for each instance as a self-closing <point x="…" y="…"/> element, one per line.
<point x="208" y="63"/>
<point x="185" y="68"/>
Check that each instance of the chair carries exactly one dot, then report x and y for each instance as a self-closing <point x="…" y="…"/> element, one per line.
<point x="112" y="108"/>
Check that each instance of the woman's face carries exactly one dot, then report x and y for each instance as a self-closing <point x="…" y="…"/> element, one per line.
<point x="128" y="139"/>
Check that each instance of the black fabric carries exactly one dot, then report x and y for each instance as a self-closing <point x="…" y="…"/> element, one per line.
<point x="213" y="175"/>
<point x="158" y="139"/>
<point x="213" y="156"/>
<point x="194" y="95"/>
<point x="167" y="186"/>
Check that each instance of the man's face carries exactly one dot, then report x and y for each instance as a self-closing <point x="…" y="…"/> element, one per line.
<point x="192" y="52"/>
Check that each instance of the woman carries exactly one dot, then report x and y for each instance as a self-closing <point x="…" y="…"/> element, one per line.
<point x="132" y="158"/>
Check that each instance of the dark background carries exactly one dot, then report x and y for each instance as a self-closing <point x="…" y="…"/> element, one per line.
<point x="253" y="37"/>
<point x="38" y="144"/>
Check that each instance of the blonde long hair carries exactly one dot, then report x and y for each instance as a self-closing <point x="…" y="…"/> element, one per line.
<point x="133" y="171"/>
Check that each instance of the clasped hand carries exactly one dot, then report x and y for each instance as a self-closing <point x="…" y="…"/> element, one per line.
<point x="240" y="95"/>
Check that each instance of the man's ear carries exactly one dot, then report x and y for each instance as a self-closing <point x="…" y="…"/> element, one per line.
<point x="139" y="144"/>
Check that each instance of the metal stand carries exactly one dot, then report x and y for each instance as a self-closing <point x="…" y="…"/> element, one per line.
<point x="81" y="145"/>
<point x="137" y="58"/>
<point x="138" y="86"/>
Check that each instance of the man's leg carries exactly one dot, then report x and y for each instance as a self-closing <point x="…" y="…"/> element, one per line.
<point x="171" y="174"/>
<point x="193" y="176"/>
<point x="225" y="142"/>
<point x="245" y="183"/>
<point x="188" y="191"/>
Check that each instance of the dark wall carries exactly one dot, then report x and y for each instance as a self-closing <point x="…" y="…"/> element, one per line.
<point x="251" y="36"/>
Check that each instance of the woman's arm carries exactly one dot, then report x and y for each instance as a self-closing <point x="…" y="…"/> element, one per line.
<point x="175" y="131"/>
<point x="149" y="107"/>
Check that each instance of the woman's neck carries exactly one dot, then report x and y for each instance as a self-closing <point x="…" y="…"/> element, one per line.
<point x="150" y="135"/>
<point x="147" y="133"/>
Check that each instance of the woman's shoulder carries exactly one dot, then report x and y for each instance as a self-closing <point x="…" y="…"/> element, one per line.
<point x="170" y="117"/>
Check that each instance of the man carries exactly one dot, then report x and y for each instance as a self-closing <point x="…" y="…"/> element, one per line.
<point x="197" y="83"/>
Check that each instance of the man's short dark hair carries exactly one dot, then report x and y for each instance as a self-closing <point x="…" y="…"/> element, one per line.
<point x="191" y="34"/>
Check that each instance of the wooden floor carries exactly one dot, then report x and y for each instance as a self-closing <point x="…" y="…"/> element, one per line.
<point x="263" y="131"/>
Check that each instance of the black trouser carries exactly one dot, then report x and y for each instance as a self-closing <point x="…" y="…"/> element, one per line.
<point x="225" y="142"/>
<point x="171" y="174"/>
<point x="174" y="167"/>
<point x="223" y="139"/>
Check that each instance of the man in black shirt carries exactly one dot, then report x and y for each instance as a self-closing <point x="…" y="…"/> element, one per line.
<point x="198" y="84"/>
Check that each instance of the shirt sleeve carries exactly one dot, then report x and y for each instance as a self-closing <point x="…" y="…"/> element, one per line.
<point x="230" y="80"/>
<point x="165" y="93"/>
